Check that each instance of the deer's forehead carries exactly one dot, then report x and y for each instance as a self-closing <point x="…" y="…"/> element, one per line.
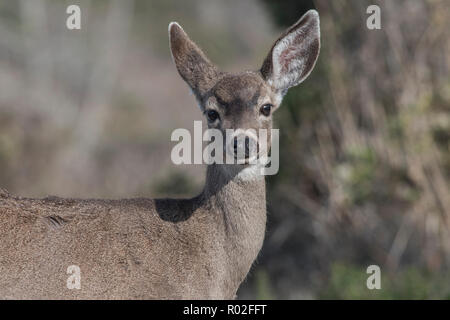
<point x="243" y="89"/>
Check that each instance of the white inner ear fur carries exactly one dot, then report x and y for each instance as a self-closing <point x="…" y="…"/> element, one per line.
<point x="289" y="58"/>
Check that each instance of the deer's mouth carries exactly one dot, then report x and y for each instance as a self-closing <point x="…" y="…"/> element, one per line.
<point x="242" y="148"/>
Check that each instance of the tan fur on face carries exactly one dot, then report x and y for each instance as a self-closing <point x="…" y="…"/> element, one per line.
<point x="238" y="97"/>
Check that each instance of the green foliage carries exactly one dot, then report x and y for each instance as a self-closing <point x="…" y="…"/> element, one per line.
<point x="262" y="283"/>
<point x="359" y="174"/>
<point x="364" y="149"/>
<point x="348" y="281"/>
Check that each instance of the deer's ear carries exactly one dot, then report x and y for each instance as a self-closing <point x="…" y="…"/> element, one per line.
<point x="294" y="54"/>
<point x="192" y="64"/>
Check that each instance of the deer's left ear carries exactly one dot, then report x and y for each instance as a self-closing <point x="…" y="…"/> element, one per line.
<point x="294" y="54"/>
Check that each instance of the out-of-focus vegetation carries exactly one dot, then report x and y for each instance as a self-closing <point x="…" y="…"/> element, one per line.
<point x="364" y="141"/>
<point x="364" y="174"/>
<point x="348" y="281"/>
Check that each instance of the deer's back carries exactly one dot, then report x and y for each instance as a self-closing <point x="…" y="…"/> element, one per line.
<point x="136" y="248"/>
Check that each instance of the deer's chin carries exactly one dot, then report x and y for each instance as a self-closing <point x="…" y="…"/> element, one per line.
<point x="246" y="163"/>
<point x="246" y="172"/>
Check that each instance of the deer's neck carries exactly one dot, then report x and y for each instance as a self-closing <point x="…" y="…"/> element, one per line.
<point x="238" y="199"/>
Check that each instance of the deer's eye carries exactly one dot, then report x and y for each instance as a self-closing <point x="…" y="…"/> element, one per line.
<point x="212" y="115"/>
<point x="265" y="109"/>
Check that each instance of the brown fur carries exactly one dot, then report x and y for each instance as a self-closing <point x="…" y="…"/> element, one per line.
<point x="144" y="248"/>
<point x="132" y="249"/>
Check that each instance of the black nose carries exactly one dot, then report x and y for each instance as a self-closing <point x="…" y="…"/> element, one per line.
<point x="245" y="146"/>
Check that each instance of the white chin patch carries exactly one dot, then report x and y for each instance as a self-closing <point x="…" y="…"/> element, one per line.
<point x="250" y="173"/>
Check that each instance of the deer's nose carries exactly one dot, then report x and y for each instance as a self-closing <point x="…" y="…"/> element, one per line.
<point x="244" y="147"/>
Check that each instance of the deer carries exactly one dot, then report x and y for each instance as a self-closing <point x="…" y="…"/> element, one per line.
<point x="141" y="248"/>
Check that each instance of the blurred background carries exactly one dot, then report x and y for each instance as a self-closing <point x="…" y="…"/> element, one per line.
<point x="364" y="141"/>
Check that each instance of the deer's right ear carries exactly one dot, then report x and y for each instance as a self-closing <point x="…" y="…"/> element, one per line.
<point x="192" y="64"/>
<point x="294" y="54"/>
